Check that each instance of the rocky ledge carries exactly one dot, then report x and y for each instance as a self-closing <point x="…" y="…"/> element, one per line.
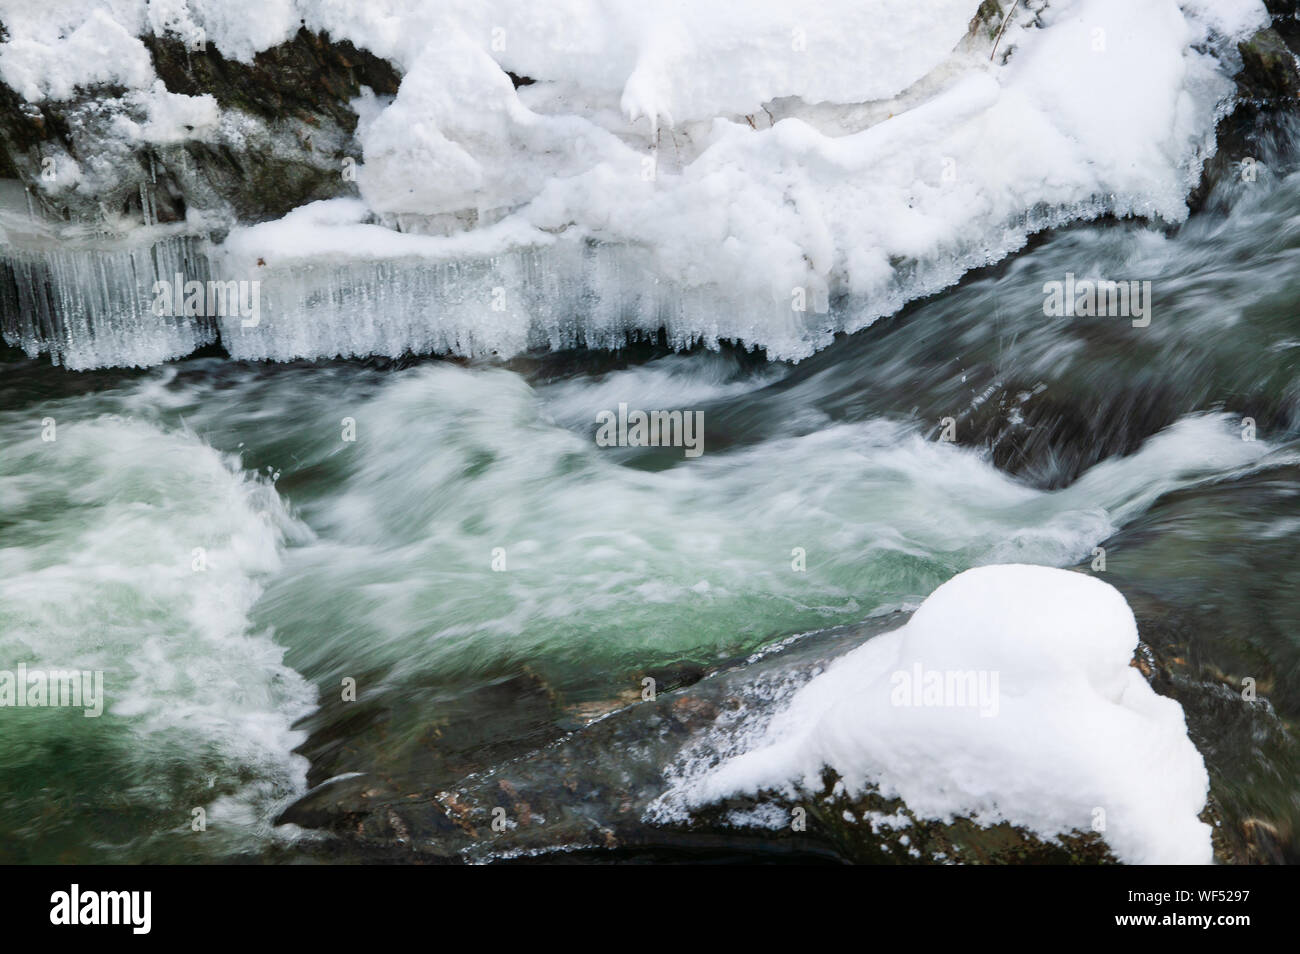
<point x="280" y="135"/>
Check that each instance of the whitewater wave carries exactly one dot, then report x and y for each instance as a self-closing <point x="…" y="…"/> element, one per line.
<point x="140" y="554"/>
<point x="608" y="565"/>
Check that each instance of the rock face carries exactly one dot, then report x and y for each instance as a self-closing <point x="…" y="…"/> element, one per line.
<point x="279" y="133"/>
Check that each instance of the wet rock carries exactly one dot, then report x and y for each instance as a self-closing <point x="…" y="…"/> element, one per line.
<point x="871" y="829"/>
<point x="1050" y="439"/>
<point x="1264" y="842"/>
<point x="437" y="735"/>
<point x="586" y="797"/>
<point x="335" y="804"/>
<point x="987" y="20"/>
<point x="1269" y="70"/>
<point x="1210" y="573"/>
<point x="1268" y="90"/>
<point x="367" y="825"/>
<point x="1286" y="19"/>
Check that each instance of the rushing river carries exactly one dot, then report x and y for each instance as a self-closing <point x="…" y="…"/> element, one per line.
<point x="232" y="543"/>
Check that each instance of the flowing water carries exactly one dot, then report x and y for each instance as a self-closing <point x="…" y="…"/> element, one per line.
<point x="229" y="542"/>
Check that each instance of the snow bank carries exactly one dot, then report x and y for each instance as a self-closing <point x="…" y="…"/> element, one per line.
<point x="775" y="173"/>
<point x="749" y="227"/>
<point x="674" y="60"/>
<point x="54" y="48"/>
<point x="1055" y="731"/>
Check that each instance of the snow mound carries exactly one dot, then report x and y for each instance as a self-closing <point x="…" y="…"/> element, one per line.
<point x="1008" y="696"/>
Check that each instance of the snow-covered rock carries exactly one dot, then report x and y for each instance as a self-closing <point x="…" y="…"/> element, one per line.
<point x="1007" y="697"/>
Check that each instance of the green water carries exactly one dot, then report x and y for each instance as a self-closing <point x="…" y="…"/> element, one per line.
<point x="229" y="543"/>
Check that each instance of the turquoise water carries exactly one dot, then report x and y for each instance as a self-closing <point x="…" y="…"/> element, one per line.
<point x="207" y="535"/>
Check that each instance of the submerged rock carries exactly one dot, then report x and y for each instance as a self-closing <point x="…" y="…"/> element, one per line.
<point x="1211" y="575"/>
<point x="589" y="794"/>
<point x="1286" y="18"/>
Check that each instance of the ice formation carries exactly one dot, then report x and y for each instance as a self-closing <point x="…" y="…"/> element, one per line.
<point x="767" y="173"/>
<point x="89" y="304"/>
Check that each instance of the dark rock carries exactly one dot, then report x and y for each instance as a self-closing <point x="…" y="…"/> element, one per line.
<point x="1211" y="581"/>
<point x="871" y="829"/>
<point x="584" y="797"/>
<point x="987" y="20"/>
<point x="310" y="76"/>
<point x="1268" y="89"/>
<point x="1286" y="19"/>
<point x="1268" y="68"/>
<point x="295" y="128"/>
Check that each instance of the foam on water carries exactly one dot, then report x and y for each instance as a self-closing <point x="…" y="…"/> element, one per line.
<point x="627" y="566"/>
<point x="103" y="528"/>
<point x="610" y="568"/>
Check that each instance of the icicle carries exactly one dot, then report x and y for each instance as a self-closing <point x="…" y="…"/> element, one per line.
<point x="557" y="297"/>
<point x="92" y="306"/>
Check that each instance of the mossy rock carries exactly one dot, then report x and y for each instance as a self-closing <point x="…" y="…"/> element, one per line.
<point x="987" y="20"/>
<point x="1268" y="68"/>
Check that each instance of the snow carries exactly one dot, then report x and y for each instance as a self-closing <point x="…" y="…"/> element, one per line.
<point x="760" y="172"/>
<point x="1228" y="19"/>
<point x="1075" y="739"/>
<point x="337" y="230"/>
<point x="817" y="204"/>
<point x="51" y="63"/>
<point x="676" y="59"/>
<point x="170" y="117"/>
<point x="456" y="119"/>
<point x="1108" y="109"/>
